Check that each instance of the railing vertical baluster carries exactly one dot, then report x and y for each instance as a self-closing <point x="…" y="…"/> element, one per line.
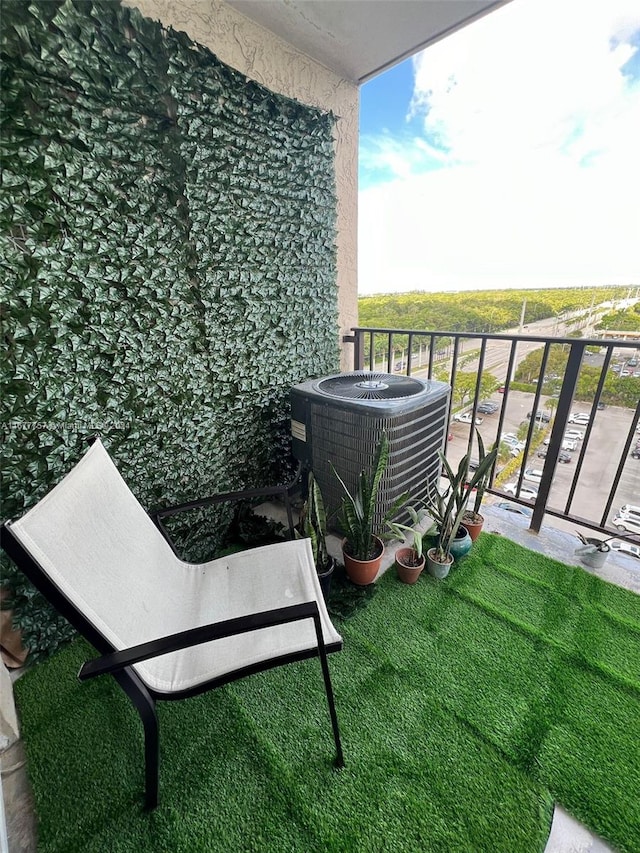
<point x="409" y="349"/>
<point x="557" y="432"/>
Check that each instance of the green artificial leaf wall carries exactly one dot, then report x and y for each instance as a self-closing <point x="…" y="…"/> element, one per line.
<point x="168" y="265"/>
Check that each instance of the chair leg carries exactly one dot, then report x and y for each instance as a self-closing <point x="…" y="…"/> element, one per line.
<point x="322" y="653"/>
<point x="146" y="707"/>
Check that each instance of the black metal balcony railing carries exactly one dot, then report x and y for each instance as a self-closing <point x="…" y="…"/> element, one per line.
<point x="604" y="472"/>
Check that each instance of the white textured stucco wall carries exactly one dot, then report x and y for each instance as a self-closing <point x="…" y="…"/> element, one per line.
<point x="263" y="57"/>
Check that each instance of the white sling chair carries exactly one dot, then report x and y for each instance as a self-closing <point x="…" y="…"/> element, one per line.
<point x="166" y="629"/>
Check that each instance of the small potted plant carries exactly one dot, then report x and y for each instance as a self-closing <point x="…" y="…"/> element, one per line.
<point x="448" y="509"/>
<point x="362" y="549"/>
<point x="593" y="552"/>
<point x="409" y="559"/>
<point x="313" y="524"/>
<point x="472" y="519"/>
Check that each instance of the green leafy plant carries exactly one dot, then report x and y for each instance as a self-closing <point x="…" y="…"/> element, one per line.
<point x="486" y="462"/>
<point x="356" y="514"/>
<point x="313" y="524"/>
<point x="448" y="508"/>
<point x="415" y="535"/>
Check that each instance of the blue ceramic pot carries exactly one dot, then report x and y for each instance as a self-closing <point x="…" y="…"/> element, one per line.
<point x="461" y="545"/>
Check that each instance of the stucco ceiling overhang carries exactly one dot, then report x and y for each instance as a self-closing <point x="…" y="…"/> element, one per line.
<point x="358" y="39"/>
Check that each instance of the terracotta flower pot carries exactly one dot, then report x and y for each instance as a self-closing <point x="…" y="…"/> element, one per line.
<point x="362" y="572"/>
<point x="474" y="526"/>
<point x="408" y="566"/>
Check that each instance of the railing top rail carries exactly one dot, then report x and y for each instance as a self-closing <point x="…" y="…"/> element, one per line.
<point x="503" y="336"/>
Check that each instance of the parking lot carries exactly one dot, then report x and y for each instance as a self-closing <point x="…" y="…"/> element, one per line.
<point x="598" y="470"/>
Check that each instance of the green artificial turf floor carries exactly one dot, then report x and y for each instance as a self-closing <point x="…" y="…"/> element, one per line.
<point x="467" y="706"/>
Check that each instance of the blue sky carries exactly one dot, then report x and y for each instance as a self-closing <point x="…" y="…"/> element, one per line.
<point x="506" y="155"/>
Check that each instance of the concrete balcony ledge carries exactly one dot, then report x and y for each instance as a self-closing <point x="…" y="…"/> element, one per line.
<point x="560" y="544"/>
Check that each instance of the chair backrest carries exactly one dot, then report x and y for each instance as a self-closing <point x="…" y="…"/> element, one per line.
<point x="96" y="544"/>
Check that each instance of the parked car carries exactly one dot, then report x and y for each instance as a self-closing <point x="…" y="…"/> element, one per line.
<point x="563" y="456"/>
<point x="516" y="508"/>
<point x="632" y="510"/>
<point x="487" y="407"/>
<point x="510" y="438"/>
<point x="543" y="417"/>
<point x="574" y="435"/>
<point x="527" y="493"/>
<point x="635" y="453"/>
<point x="568" y="444"/>
<point x="579" y="418"/>
<point x="533" y="474"/>
<point x="466" y="418"/>
<point x="501" y="389"/>
<point x="625" y="547"/>
<point x="515" y="447"/>
<point x="625" y="522"/>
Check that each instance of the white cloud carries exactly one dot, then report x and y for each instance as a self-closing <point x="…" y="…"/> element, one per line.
<point x="532" y="75"/>
<point x="539" y="129"/>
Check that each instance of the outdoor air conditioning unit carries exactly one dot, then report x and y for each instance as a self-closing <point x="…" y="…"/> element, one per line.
<point x="340" y="419"/>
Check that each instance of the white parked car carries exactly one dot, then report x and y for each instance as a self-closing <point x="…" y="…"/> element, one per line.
<point x="625" y="547"/>
<point x="574" y="435"/>
<point x="527" y="493"/>
<point x="533" y="474"/>
<point x="579" y="418"/>
<point x="627" y="523"/>
<point x="465" y="418"/>
<point x="512" y="440"/>
<point x="631" y="510"/>
<point x="567" y="443"/>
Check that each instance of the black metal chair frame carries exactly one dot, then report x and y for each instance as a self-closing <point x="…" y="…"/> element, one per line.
<point x="119" y="663"/>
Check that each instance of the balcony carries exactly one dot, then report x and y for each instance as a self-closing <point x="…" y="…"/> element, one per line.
<point x="568" y="429"/>
<point x="565" y="830"/>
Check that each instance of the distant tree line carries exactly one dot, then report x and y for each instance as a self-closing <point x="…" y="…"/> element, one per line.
<point x="480" y="311"/>
<point x="489" y="311"/>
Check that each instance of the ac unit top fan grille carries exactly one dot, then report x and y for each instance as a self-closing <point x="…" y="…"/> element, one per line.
<point x="370" y="386"/>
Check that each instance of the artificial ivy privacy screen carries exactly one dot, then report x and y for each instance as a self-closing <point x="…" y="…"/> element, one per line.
<point x="168" y="263"/>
